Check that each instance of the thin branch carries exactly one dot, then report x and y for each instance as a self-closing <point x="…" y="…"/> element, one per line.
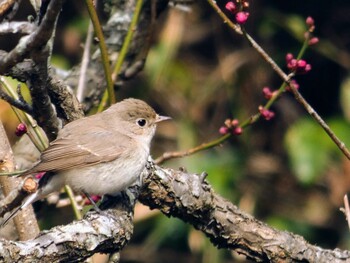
<point x="35" y="40"/>
<point x="124" y="49"/>
<point x="346" y="209"/>
<point x="341" y="145"/>
<point x="127" y="40"/>
<point x="38" y="138"/>
<point x="38" y="46"/>
<point x="103" y="49"/>
<point x="67" y="106"/>
<point x="84" y="63"/>
<point x="73" y="201"/>
<point x="14" y="102"/>
<point x="170" y="155"/>
<point x="298" y="96"/>
<point x="286" y="79"/>
<point x="115" y="31"/>
<point x="226" y="20"/>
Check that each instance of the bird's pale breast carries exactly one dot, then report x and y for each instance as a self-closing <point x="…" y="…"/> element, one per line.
<point x="108" y="178"/>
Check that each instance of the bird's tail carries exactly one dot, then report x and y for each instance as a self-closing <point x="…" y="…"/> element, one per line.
<point x="27" y="201"/>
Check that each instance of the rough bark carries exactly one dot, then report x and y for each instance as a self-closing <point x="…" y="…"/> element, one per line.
<point x="186" y="196"/>
<point x="107" y="232"/>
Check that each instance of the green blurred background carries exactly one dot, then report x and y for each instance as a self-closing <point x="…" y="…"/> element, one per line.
<point x="286" y="172"/>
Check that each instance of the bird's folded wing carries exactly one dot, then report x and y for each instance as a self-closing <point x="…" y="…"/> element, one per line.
<point x="80" y="151"/>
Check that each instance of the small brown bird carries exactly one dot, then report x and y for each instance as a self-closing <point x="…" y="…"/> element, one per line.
<point x="100" y="154"/>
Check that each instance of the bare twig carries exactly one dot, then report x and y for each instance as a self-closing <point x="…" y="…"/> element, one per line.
<point x="286" y="79"/>
<point x="226" y="20"/>
<point x="341" y="145"/>
<point x="103" y="49"/>
<point x="35" y="40"/>
<point x="170" y="155"/>
<point x="128" y="38"/>
<point x="38" y="46"/>
<point x="14" y="102"/>
<point x="346" y="209"/>
<point x="115" y="31"/>
<point x="38" y="138"/>
<point x="298" y="96"/>
<point x="124" y="49"/>
<point x="84" y="63"/>
<point x="67" y="106"/>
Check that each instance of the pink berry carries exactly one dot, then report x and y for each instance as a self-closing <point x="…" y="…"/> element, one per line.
<point x="21" y="129"/>
<point x="313" y="41"/>
<point x="301" y="64"/>
<point x="292" y="64"/>
<point x="39" y="175"/>
<point x="242" y="17"/>
<point x="303" y="67"/>
<point x="307" y="68"/>
<point x="235" y="122"/>
<point x="267" y="114"/>
<point x="289" y="57"/>
<point x="267" y="93"/>
<point x="237" y="131"/>
<point x="231" y="6"/>
<point x="223" y="130"/>
<point x="310" y="21"/>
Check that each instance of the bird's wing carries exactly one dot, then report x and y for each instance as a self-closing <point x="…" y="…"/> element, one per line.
<point x="87" y="149"/>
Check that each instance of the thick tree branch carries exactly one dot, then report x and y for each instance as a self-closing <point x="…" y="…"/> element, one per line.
<point x="105" y="233"/>
<point x="179" y="194"/>
<point x="190" y="198"/>
<point x="43" y="111"/>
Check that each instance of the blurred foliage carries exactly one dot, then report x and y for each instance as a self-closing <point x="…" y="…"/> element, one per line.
<point x="310" y="150"/>
<point x="286" y="172"/>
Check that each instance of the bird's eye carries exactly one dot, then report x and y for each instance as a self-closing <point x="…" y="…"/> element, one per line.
<point x="141" y="122"/>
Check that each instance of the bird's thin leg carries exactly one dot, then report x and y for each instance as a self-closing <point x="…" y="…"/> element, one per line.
<point x="96" y="208"/>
